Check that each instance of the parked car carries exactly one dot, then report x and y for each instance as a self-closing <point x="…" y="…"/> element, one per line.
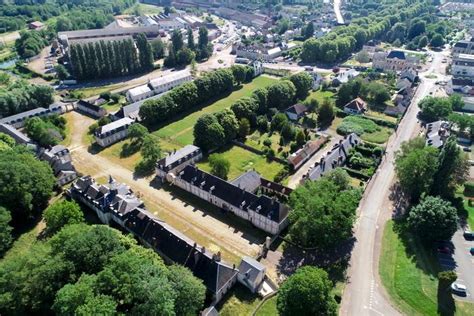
<point x="459" y="289"/>
<point x="468" y="235"/>
<point x="467" y="149"/>
<point x="472" y="251"/>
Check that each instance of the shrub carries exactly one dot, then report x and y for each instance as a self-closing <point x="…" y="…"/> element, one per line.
<point x="358" y="125"/>
<point x="469" y="189"/>
<point x="267" y="142"/>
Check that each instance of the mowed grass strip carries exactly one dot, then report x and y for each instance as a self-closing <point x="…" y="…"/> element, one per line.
<point x="180" y="132"/>
<point x="242" y="160"/>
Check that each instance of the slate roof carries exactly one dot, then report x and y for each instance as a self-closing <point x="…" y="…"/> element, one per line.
<point x="357" y="104"/>
<point x="396" y="54"/>
<point x="172" y="77"/>
<point x="53" y="108"/>
<point x="233" y="195"/>
<point x="97" y="33"/>
<point x="178" y="157"/>
<point x="461" y="44"/>
<point x="462" y="82"/>
<point x="180" y="249"/>
<point x="334" y="158"/>
<point x="114" y="127"/>
<point x="249" y="181"/>
<point x="132" y="110"/>
<point x="276" y="187"/>
<point x="297" y="109"/>
<point x="251" y="268"/>
<point x="18" y="136"/>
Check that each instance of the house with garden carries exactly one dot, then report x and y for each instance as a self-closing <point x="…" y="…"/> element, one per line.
<point x="356" y="106"/>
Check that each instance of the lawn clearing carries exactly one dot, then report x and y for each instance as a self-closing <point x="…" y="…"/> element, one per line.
<point x="95" y="91"/>
<point x="381" y="116"/>
<point x="269" y="308"/>
<point x="320" y="95"/>
<point x="256" y="141"/>
<point x="180" y="132"/>
<point x="408" y="271"/>
<point x="242" y="160"/>
<point x="68" y="130"/>
<point x="378" y="137"/>
<point x="239" y="302"/>
<point x="470" y="213"/>
<point x="142" y="8"/>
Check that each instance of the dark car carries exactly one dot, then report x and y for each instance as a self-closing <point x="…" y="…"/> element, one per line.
<point x="472" y="251"/>
<point x="468" y="235"/>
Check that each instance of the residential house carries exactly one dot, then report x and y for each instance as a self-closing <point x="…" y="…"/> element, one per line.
<point x="59" y="158"/>
<point x="113" y="132"/>
<point x="262" y="211"/>
<point x="437" y="133"/>
<point x="302" y="155"/>
<point x="395" y="60"/>
<point x="116" y="203"/>
<point x="463" y="47"/>
<point x="177" y="160"/>
<point x="36" y="25"/>
<point x="403" y="84"/>
<point x="92" y="109"/>
<point x="296" y="111"/>
<point x="345" y="76"/>
<point x="356" y="106"/>
<point x="139" y="93"/>
<point x="463" y="66"/>
<point x="410" y="74"/>
<point x="334" y="158"/>
<point x="251" y="273"/>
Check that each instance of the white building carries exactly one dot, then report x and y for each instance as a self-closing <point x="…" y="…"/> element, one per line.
<point x="463" y="66"/>
<point x="113" y="132"/>
<point x="139" y="93"/>
<point x="177" y="160"/>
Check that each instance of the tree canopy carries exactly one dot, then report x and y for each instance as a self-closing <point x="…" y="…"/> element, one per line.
<point x="61" y="214"/>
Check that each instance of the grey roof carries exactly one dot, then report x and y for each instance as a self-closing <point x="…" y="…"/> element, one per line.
<point x="18" y="136"/>
<point x="53" y="108"/>
<point x="396" y="54"/>
<point x="110" y="128"/>
<point x="172" y="77"/>
<point x="132" y="110"/>
<point x="175" y="158"/>
<point x="249" y="181"/>
<point x="251" y="268"/>
<point x="97" y="33"/>
<point x="334" y="158"/>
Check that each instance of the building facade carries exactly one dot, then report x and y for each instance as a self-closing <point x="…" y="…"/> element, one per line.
<point x="113" y="132"/>
<point x="177" y="160"/>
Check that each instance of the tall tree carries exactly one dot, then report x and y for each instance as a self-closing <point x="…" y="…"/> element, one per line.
<point x="191" y="44"/>
<point x="177" y="40"/>
<point x="220" y="166"/>
<point x="61" y="214"/>
<point x="5" y="230"/>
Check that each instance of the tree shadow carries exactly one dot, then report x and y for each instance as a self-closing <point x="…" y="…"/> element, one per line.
<point x="446" y="304"/>
<point x="129" y="149"/>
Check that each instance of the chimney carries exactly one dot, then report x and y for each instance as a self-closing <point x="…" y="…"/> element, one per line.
<point x="203" y="249"/>
<point x="218" y="256"/>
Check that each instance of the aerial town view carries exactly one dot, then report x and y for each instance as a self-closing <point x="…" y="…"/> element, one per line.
<point x="237" y="157"/>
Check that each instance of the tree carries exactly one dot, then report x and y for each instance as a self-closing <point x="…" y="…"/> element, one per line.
<point x="137" y="132"/>
<point x="43" y="131"/>
<point x="453" y="169"/>
<point x="245" y="108"/>
<point x="303" y="83"/>
<point x="278" y="121"/>
<point x="177" y="40"/>
<point x="244" y="127"/>
<point x="61" y="72"/>
<point x="26" y="184"/>
<point x="437" y="40"/>
<point x="288" y="132"/>
<point x="416" y="166"/>
<point x="260" y="96"/>
<point x="220" y="166"/>
<point x="229" y="123"/>
<point x="423" y="42"/>
<point x="457" y="102"/>
<point x="151" y="148"/>
<point x="158" y="48"/>
<point x="190" y="35"/>
<point x="362" y="57"/>
<point x="418" y="27"/>
<point x="446" y="278"/>
<point x="6" y="142"/>
<point x="340" y="177"/>
<point x="185" y="56"/>
<point x="239" y="73"/>
<point x="323" y="213"/>
<point x="307" y="292"/>
<point x="433" y="219"/>
<point x="208" y="133"/>
<point x="281" y="94"/>
<point x="61" y="214"/>
<point x="308" y="30"/>
<point x="191" y="292"/>
<point x="5" y="230"/>
<point x="300" y="138"/>
<point x="325" y="113"/>
<point x="433" y="109"/>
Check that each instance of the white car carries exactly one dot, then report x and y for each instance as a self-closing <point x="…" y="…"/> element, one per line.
<point x="459" y="288"/>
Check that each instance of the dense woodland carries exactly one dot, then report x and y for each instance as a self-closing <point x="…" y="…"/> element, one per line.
<point x="19" y="96"/>
<point x="70" y="14"/>
<point x="107" y="59"/>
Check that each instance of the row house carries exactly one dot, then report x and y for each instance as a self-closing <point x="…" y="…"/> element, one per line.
<point x="336" y="157"/>
<point x="59" y="158"/>
<point x="115" y="203"/>
<point x="93" y="109"/>
<point x="463" y="66"/>
<point x="18" y="120"/>
<point x="302" y="155"/>
<point x="113" y="132"/>
<point x="262" y="211"/>
<point x="158" y="85"/>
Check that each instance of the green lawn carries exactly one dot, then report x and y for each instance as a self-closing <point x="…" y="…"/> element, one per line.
<point x="268" y="308"/>
<point x="242" y="160"/>
<point x="180" y="132"/>
<point x="95" y="91"/>
<point x="239" y="302"/>
<point x="320" y="95"/>
<point x="470" y="214"/>
<point x="408" y="271"/>
<point x="378" y="137"/>
<point x="144" y="9"/>
<point x="256" y="141"/>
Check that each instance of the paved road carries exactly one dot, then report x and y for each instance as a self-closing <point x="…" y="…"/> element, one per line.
<point x="364" y="294"/>
<point x="337" y="11"/>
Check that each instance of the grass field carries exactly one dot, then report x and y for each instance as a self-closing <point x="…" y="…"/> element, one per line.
<point x="180" y="132"/>
<point x="67" y="140"/>
<point x="320" y="95"/>
<point x="378" y="137"/>
<point x="408" y="272"/>
<point x="268" y="308"/>
<point x="93" y="91"/>
<point x="256" y="141"/>
<point x="239" y="302"/>
<point x="242" y="160"/>
<point x="144" y="9"/>
<point x="470" y="213"/>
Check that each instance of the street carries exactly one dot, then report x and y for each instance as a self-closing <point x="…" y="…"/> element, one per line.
<point x="464" y="264"/>
<point x="364" y="294"/>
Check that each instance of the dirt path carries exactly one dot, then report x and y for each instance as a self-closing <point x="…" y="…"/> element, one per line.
<point x="196" y="223"/>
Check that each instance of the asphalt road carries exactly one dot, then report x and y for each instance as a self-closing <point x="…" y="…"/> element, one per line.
<point x="464" y="264"/>
<point x="364" y="294"/>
